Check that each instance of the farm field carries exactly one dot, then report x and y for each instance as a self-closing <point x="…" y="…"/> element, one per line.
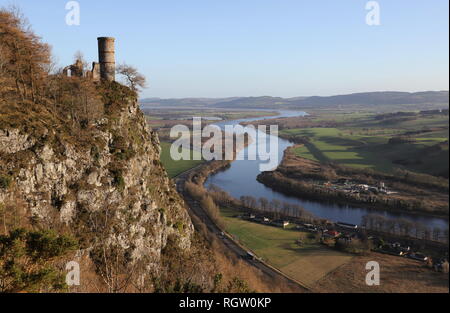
<point x="365" y="143"/>
<point x="174" y="168"/>
<point x="307" y="263"/>
<point x="397" y="274"/>
<point x="331" y="144"/>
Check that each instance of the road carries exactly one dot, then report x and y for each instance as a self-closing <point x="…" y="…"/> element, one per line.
<point x="226" y="239"/>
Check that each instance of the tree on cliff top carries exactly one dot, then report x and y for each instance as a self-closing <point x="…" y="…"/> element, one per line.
<point x="134" y="79"/>
<point x="24" y="59"/>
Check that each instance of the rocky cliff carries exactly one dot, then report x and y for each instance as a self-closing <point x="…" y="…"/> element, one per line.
<point x="104" y="183"/>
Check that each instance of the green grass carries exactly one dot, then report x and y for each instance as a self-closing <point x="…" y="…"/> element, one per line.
<point x="175" y="168"/>
<point x="363" y="148"/>
<point x="276" y="246"/>
<point x="331" y="144"/>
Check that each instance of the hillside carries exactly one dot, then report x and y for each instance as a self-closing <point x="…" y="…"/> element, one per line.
<point x="105" y="186"/>
<point x="81" y="180"/>
<point x="369" y="100"/>
<point x="83" y="189"/>
<point x="377" y="99"/>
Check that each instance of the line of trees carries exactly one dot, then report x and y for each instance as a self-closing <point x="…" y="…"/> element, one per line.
<point x="275" y="207"/>
<point x="206" y="201"/>
<point x="24" y="60"/>
<point x="295" y="187"/>
<point x="404" y="227"/>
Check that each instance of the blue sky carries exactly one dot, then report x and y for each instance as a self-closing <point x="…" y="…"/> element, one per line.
<point x="221" y="48"/>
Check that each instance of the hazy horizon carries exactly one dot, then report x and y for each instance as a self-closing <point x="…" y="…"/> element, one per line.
<point x="300" y="96"/>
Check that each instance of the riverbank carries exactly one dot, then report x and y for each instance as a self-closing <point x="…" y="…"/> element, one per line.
<point x="240" y="180"/>
<point x="412" y="141"/>
<point x="207" y="220"/>
<point x="300" y="177"/>
<point x="278" y="246"/>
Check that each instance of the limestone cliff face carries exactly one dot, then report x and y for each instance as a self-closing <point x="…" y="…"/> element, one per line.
<point x="107" y="186"/>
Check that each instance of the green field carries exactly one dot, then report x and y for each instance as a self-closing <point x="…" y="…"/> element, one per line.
<point x="331" y="144"/>
<point x="276" y="246"/>
<point x="175" y="168"/>
<point x="364" y="143"/>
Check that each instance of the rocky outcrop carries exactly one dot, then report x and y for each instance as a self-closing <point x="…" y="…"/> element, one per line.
<point x="107" y="185"/>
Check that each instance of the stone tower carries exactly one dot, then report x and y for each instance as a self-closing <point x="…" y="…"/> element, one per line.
<point x="106" y="57"/>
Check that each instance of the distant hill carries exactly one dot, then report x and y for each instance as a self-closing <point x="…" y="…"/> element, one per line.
<point x="188" y="102"/>
<point x="376" y="100"/>
<point x="253" y="102"/>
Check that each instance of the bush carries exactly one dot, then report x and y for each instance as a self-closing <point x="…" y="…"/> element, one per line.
<point x="208" y="204"/>
<point x="5" y="182"/>
<point x="115" y="93"/>
<point x="355" y="246"/>
<point x="237" y="285"/>
<point x="119" y="181"/>
<point x="179" y="226"/>
<point x="27" y="261"/>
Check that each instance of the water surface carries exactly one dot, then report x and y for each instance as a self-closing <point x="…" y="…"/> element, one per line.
<point x="240" y="180"/>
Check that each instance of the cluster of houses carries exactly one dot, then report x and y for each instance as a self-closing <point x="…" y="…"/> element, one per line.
<point x="265" y="220"/>
<point x="345" y="233"/>
<point x="397" y="249"/>
<point x="347" y="186"/>
<point x="345" y="228"/>
<point x="318" y="230"/>
<point x="339" y="230"/>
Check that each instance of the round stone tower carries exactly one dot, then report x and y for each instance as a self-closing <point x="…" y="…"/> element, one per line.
<point x="106" y="57"/>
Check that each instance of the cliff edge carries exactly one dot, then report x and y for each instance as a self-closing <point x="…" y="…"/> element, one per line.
<point x="103" y="183"/>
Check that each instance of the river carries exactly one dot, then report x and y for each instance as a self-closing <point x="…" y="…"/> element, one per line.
<point x="240" y="180"/>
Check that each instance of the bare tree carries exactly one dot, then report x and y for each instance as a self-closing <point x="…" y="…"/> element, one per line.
<point x="81" y="61"/>
<point x="134" y="79"/>
<point x="23" y="56"/>
<point x="437" y="233"/>
<point x="276" y="204"/>
<point x="264" y="203"/>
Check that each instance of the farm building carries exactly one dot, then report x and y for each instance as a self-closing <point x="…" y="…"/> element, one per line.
<point x="331" y="234"/>
<point x="280" y="223"/>
<point x="347" y="225"/>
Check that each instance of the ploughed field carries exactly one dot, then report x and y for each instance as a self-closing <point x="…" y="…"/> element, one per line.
<point x="323" y="269"/>
<point x="397" y="274"/>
